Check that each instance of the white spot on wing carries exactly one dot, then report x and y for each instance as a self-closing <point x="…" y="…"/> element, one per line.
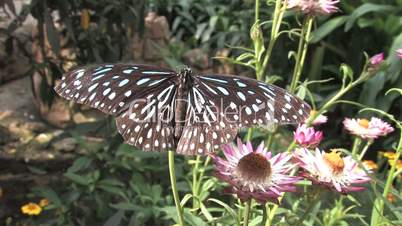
<point x="142" y="81"/>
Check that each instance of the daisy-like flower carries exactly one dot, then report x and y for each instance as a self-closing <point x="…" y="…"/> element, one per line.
<point x="307" y="137"/>
<point x="377" y="59"/>
<point x="321" y="119"/>
<point x="367" y="129"/>
<point x="399" y="53"/>
<point x="330" y="170"/>
<point x="31" y="209"/>
<point x="314" y="7"/>
<point x="384" y="127"/>
<point x="255" y="173"/>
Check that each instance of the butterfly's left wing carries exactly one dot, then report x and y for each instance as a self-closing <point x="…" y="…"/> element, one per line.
<point x="140" y="96"/>
<point x="222" y="103"/>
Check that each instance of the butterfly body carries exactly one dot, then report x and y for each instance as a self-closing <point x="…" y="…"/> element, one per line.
<point x="158" y="109"/>
<point x="183" y="83"/>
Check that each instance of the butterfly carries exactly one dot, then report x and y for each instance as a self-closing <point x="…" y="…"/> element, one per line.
<point x="158" y="109"/>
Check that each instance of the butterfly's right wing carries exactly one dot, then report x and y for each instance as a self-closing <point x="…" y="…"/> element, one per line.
<point x="222" y="103"/>
<point x="140" y="96"/>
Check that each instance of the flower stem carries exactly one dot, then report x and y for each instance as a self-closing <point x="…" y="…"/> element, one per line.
<point x="195" y="179"/>
<point x="356" y="146"/>
<point x="198" y="186"/>
<point x="249" y="134"/>
<point x="272" y="213"/>
<point x="257" y="10"/>
<point x="365" y="148"/>
<point x="301" y="52"/>
<point x="276" y="24"/>
<point x="247" y="210"/>
<point x="378" y="208"/>
<point x="174" y="187"/>
<point x="268" y="141"/>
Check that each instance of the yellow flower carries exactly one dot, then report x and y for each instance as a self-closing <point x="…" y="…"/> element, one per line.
<point x="399" y="165"/>
<point x="389" y="154"/>
<point x="369" y="164"/>
<point x="43" y="202"/>
<point x="31" y="209"/>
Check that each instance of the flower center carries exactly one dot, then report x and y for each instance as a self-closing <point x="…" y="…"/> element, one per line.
<point x="254" y="167"/>
<point x="364" y="123"/>
<point x="335" y="161"/>
<point x="313" y="112"/>
<point x="32" y="207"/>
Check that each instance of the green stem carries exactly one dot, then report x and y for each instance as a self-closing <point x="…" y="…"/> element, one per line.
<point x="257" y="10"/>
<point x="378" y="208"/>
<point x="247" y="211"/>
<point x="269" y="140"/>
<point x="207" y="160"/>
<point x="195" y="180"/>
<point x="174" y="187"/>
<point x="272" y="214"/>
<point x="249" y="134"/>
<point x="301" y="52"/>
<point x="356" y="146"/>
<point x="276" y="24"/>
<point x="365" y="148"/>
<point x="265" y="211"/>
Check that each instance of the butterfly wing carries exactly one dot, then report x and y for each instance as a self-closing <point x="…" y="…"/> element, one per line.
<point x="248" y="102"/>
<point x="222" y="103"/>
<point x="140" y="96"/>
<point x="206" y="127"/>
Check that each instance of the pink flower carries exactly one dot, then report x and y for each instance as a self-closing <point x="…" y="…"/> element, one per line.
<point x="330" y="170"/>
<point x="399" y="53"/>
<point x="367" y="129"/>
<point x="384" y="127"/>
<point x="314" y="6"/>
<point x="377" y="59"/>
<point x="255" y="174"/>
<point x="321" y="119"/>
<point x="307" y="137"/>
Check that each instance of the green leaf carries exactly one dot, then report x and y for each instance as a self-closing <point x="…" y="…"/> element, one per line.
<point x="79" y="164"/>
<point x="116" y="219"/>
<point x="227" y="208"/>
<point x="366" y="8"/>
<point x="326" y="28"/>
<point x="192" y="219"/>
<point x="125" y="206"/>
<point x="77" y="178"/>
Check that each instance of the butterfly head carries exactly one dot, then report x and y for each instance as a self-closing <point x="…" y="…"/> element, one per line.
<point x="185" y="71"/>
<point x="185" y="74"/>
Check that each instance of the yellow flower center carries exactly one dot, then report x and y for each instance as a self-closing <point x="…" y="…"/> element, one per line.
<point x="335" y="161"/>
<point x="254" y="167"/>
<point x="313" y="112"/>
<point x="364" y="123"/>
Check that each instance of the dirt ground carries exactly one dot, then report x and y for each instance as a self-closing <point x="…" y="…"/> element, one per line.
<point x="28" y="147"/>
